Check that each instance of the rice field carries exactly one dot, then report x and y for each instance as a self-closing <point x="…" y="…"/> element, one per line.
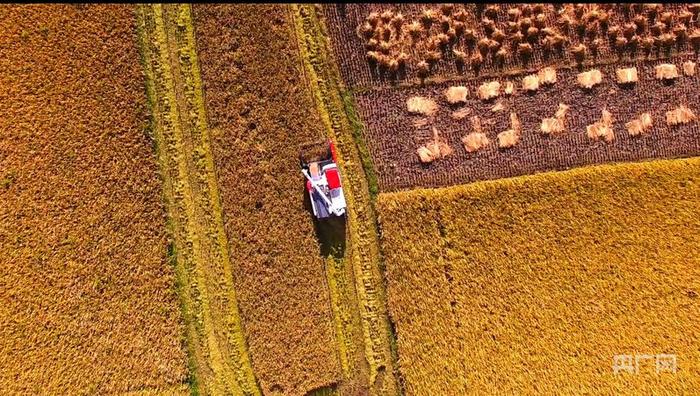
<point x="535" y="284"/>
<point x="218" y="355"/>
<point x="521" y="184"/>
<point x="87" y="292"/>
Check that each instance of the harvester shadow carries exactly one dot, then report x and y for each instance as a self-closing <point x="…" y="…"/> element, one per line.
<point x="331" y="232"/>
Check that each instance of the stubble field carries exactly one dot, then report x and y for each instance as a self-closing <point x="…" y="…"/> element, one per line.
<point x="394" y="134"/>
<point x="368" y="38"/>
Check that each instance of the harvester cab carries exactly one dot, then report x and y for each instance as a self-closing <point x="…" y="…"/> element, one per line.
<point x="323" y="184"/>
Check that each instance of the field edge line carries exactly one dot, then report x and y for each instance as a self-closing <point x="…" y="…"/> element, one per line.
<point x="173" y="257"/>
<point x="214" y="367"/>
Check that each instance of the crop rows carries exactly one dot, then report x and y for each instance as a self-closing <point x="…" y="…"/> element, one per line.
<point x="535" y="283"/>
<point x="88" y="304"/>
<point x="382" y="44"/>
<point x="259" y="116"/>
<point x="363" y="272"/>
<point x="394" y="135"/>
<point x="215" y="336"/>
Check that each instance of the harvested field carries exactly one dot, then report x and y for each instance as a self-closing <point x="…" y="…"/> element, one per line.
<point x="218" y="357"/>
<point x="359" y="296"/>
<point x="394" y="133"/>
<point x="87" y="294"/>
<point x="464" y="40"/>
<point x="259" y="115"/>
<point x="393" y="138"/>
<point x="534" y="284"/>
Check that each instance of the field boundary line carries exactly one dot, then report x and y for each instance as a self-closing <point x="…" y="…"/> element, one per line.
<point x="173" y="196"/>
<point x="243" y="368"/>
<point x="215" y="336"/>
<point x="363" y="247"/>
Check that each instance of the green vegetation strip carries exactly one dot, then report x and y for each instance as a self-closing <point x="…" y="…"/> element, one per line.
<point x="336" y="110"/>
<point x="219" y="359"/>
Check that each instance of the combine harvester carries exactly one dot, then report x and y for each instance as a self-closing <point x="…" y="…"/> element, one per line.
<point x="319" y="166"/>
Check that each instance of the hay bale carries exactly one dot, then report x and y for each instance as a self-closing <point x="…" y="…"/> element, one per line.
<point x="435" y="149"/>
<point x="689" y="68"/>
<point x="509" y="89"/>
<point x="425" y="155"/>
<point x="679" y="115"/>
<point x="531" y="82"/>
<point x="489" y="90"/>
<point x="645" y="118"/>
<point x="598" y="130"/>
<point x="666" y="71"/>
<point x="639" y="126"/>
<point x="421" y="105"/>
<point x="475" y="141"/>
<point x="589" y="78"/>
<point x="547" y="76"/>
<point x="634" y="127"/>
<point x="551" y="125"/>
<point x="602" y="128"/>
<point x="626" y="75"/>
<point x="510" y="137"/>
<point x="456" y="95"/>
<point x="556" y="124"/>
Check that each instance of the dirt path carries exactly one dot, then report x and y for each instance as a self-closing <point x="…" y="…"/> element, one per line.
<point x="218" y="355"/>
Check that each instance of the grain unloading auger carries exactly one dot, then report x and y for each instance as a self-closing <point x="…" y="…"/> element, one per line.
<point x="319" y="166"/>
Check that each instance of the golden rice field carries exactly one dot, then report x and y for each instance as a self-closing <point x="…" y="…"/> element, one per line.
<point x="534" y="284"/>
<point x="157" y="238"/>
<point x="87" y="297"/>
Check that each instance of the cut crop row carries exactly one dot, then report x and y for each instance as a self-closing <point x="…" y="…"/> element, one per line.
<point x="360" y="267"/>
<point x="216" y="340"/>
<point x="536" y="283"/>
<point x="259" y="116"/>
